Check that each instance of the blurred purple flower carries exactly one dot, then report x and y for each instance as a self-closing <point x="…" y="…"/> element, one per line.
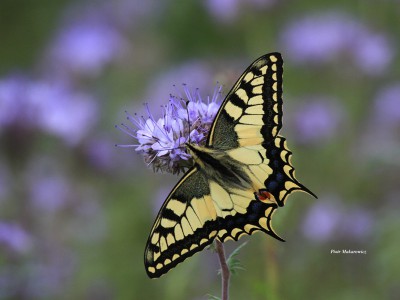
<point x="387" y="105"/>
<point x="322" y="220"/>
<point x="130" y="12"/>
<point x="47" y="278"/>
<point x="16" y="107"/>
<point x="14" y="237"/>
<point x="318" y="120"/>
<point x="162" y="142"/>
<point x="65" y="113"/>
<point x="86" y="45"/>
<point x="329" y="219"/>
<point x="357" y="223"/>
<point x="324" y="37"/>
<point x="48" y="187"/>
<point x="318" y="38"/>
<point x="372" y="52"/>
<point x="49" y="193"/>
<point x="100" y="153"/>
<point x="380" y="140"/>
<point x="228" y="10"/>
<point x="223" y="10"/>
<point x="49" y="106"/>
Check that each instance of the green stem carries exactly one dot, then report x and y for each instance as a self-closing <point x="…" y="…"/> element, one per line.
<point x="225" y="274"/>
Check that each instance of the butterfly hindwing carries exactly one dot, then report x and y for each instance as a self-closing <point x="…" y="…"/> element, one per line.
<point x="252" y="110"/>
<point x="197" y="211"/>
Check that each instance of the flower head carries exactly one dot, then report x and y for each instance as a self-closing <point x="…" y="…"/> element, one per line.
<point x="162" y="141"/>
<point x="85" y="45"/>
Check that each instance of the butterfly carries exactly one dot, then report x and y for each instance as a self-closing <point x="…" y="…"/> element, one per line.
<point x="239" y="178"/>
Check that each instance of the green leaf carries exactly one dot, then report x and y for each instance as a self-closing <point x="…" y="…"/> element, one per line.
<point x="233" y="262"/>
<point x="212" y="297"/>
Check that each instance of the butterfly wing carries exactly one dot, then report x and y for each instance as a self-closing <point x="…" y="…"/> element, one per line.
<point x="252" y="111"/>
<point x="191" y="218"/>
<point x="247" y="126"/>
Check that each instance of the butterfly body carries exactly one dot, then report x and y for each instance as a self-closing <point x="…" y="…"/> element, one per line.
<point x="239" y="178"/>
<point x="219" y="166"/>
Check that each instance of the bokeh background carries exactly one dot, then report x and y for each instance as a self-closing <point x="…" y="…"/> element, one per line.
<point x="75" y="211"/>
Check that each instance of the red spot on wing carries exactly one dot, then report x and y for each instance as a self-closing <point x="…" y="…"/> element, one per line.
<point x="263" y="195"/>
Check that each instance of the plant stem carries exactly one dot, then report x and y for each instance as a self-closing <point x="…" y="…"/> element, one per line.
<point x="225" y="274"/>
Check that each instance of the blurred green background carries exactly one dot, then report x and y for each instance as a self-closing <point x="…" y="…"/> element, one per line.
<point x="75" y="211"/>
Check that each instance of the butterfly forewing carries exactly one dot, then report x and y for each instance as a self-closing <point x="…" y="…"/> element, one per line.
<point x="252" y="110"/>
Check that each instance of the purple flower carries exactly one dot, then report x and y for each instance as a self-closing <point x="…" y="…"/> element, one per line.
<point x="330" y="219"/>
<point x="48" y="278"/>
<point x="130" y="12"/>
<point x="228" y="10"/>
<point x="223" y="10"/>
<point x="50" y="106"/>
<point x="49" y="189"/>
<point x="16" y="107"/>
<point x="372" y="52"/>
<point x="86" y="45"/>
<point x="162" y="141"/>
<point x="357" y="223"/>
<point x="322" y="220"/>
<point x="14" y="237"/>
<point x="317" y="120"/>
<point x="65" y="113"/>
<point x="387" y="105"/>
<point x="318" y="38"/>
<point x="49" y="193"/>
<point x="379" y="140"/>
<point x="100" y="153"/>
<point x="327" y="36"/>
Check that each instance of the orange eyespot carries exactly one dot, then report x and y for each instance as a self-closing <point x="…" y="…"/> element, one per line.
<point x="263" y="196"/>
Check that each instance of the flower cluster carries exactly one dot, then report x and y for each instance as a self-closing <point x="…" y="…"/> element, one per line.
<point x="162" y="141"/>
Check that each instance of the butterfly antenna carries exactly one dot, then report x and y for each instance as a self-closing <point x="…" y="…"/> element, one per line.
<point x="188" y="119"/>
